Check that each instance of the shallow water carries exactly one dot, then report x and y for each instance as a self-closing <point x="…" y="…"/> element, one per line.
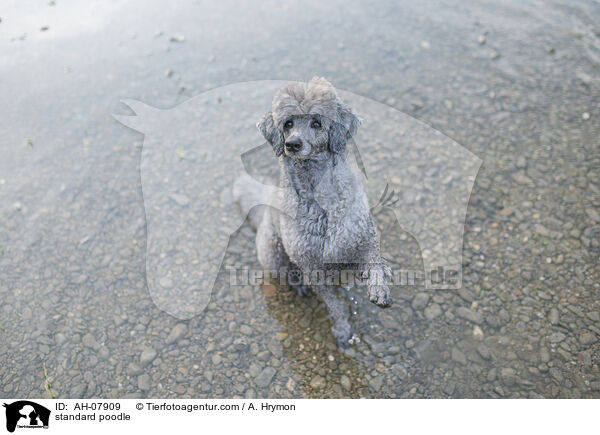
<point x="514" y="83"/>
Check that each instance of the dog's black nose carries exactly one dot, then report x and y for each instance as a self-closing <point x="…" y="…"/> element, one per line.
<point x="293" y="144"/>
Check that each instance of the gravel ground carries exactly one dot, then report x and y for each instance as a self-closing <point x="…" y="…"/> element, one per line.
<point x="515" y="83"/>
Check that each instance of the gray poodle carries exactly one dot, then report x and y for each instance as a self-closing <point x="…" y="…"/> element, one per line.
<point x="318" y="219"/>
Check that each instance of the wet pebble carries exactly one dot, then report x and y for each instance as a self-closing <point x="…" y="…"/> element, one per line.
<point x="458" y="356"/>
<point x="176" y="333"/>
<point x="134" y="369"/>
<point x="103" y="353"/>
<point x="554" y="316"/>
<point x="177" y="37"/>
<point x="263" y="356"/>
<point x="290" y="384"/>
<point x="586" y="359"/>
<point x="433" y="311"/>
<point x="77" y="391"/>
<point x="166" y="282"/>
<point x="508" y="375"/>
<point x="594" y="316"/>
<point x="449" y="388"/>
<point x="477" y="333"/>
<point x="420" y="301"/>
<point x="88" y="340"/>
<point x="556" y="374"/>
<point x="587" y="338"/>
<point x="375" y="383"/>
<point x="181" y="200"/>
<point x="345" y="382"/>
<point x="484" y="351"/>
<point x="147" y="356"/>
<point x="265" y="377"/>
<point x="317" y="382"/>
<point x="60" y="338"/>
<point x="469" y="315"/>
<point x="144" y="382"/>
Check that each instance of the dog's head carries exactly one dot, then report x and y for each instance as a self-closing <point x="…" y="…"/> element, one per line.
<point x="308" y="120"/>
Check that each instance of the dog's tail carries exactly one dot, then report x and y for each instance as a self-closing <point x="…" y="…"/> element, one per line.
<point x="249" y="194"/>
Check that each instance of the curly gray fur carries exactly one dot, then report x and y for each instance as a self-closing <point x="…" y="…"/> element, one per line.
<point x="320" y="217"/>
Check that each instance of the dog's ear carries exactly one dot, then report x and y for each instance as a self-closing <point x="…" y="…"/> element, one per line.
<point x="337" y="137"/>
<point x="269" y="130"/>
<point x="340" y="132"/>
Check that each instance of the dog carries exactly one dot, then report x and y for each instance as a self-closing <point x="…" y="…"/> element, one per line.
<point x="319" y="217"/>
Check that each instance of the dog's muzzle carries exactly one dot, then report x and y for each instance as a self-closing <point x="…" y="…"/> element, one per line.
<point x="293" y="145"/>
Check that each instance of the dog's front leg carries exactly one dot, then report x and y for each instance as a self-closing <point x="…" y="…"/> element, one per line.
<point x="378" y="275"/>
<point x="338" y="310"/>
<point x="272" y="256"/>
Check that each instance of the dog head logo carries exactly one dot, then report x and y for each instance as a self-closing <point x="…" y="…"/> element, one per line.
<point x="192" y="154"/>
<point x="26" y="414"/>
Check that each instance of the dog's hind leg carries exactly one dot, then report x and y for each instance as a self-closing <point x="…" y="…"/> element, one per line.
<point x="338" y="310"/>
<point x="272" y="256"/>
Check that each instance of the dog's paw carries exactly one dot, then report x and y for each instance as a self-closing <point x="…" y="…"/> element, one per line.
<point x="301" y="290"/>
<point x="342" y="337"/>
<point x="343" y="343"/>
<point x="380" y="295"/>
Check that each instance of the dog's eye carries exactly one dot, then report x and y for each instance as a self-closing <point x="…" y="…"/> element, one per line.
<point x="315" y="123"/>
<point x="289" y="124"/>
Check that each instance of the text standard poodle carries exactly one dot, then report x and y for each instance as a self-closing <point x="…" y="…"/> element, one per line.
<point x="318" y="220"/>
